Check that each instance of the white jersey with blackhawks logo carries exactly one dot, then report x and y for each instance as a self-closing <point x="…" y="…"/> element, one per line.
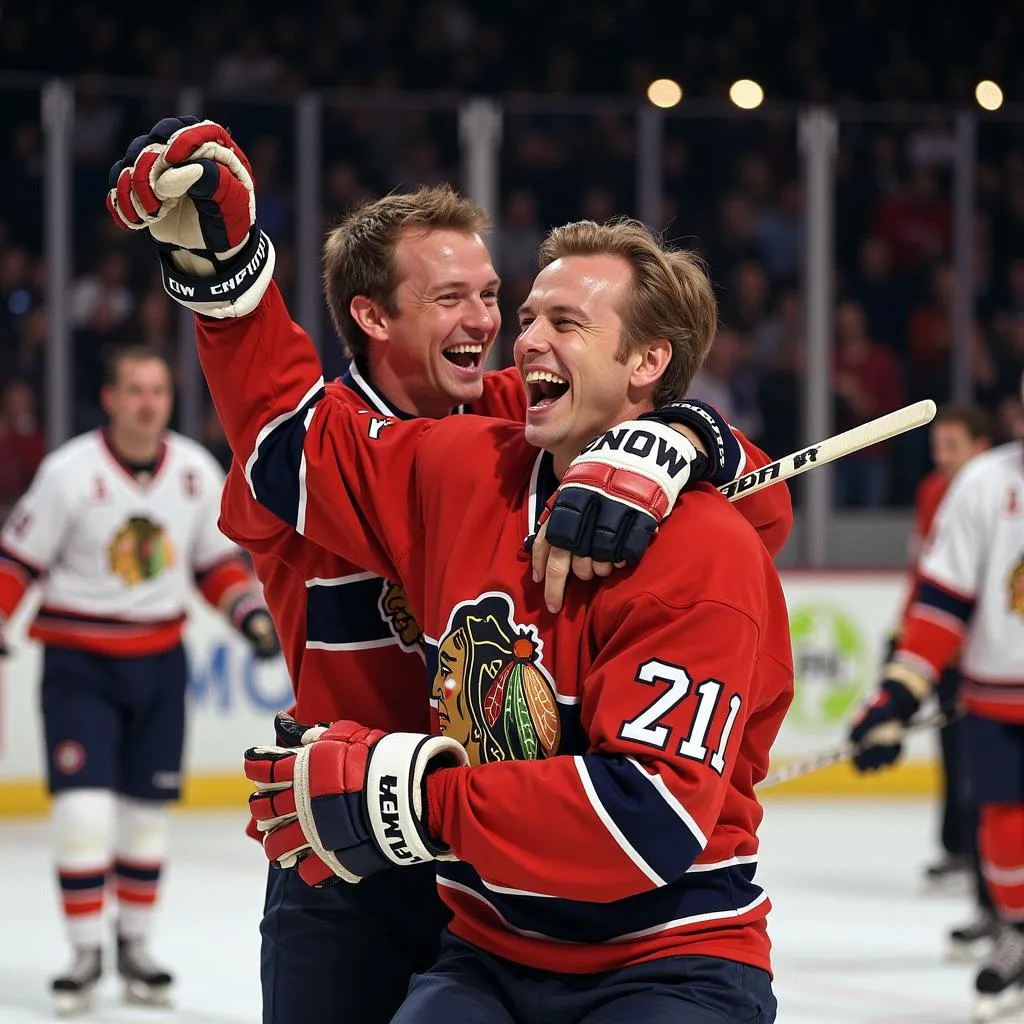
<point x="113" y="547"/>
<point x="976" y="551"/>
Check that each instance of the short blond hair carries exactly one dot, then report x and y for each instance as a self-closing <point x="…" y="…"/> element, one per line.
<point x="671" y="294"/>
<point x="359" y="253"/>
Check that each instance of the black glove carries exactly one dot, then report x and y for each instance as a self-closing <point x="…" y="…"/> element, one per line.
<point x="258" y="628"/>
<point x="877" y="731"/>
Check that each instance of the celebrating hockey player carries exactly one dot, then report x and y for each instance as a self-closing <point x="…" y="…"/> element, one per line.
<point x="970" y="602"/>
<point x="599" y="853"/>
<point x="116" y="526"/>
<point x="413" y="293"/>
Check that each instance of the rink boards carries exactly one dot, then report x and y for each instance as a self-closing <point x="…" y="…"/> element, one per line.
<point x="840" y="624"/>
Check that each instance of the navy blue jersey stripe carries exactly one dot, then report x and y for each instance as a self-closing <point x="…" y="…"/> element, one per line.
<point x="346" y="613"/>
<point x="720" y="892"/>
<point x="642" y="814"/>
<point x="275" y="473"/>
<point x="942" y="600"/>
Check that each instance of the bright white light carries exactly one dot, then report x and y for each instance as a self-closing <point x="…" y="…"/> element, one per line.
<point x="988" y="95"/>
<point x="664" y="92"/>
<point x="746" y="93"/>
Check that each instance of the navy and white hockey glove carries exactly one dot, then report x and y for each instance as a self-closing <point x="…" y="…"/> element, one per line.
<point x="725" y="455"/>
<point x="616" y="492"/>
<point x="877" y="730"/>
<point x="349" y="801"/>
<point x="190" y="187"/>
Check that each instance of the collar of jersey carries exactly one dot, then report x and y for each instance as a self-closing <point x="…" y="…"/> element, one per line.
<point x="358" y="380"/>
<point x="543" y="483"/>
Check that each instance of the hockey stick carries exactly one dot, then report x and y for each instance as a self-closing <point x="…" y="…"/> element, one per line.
<point x="837" y="755"/>
<point x="849" y="441"/>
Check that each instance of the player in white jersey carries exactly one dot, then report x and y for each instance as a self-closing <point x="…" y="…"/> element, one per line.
<point x="117" y="527"/>
<point x="971" y="602"/>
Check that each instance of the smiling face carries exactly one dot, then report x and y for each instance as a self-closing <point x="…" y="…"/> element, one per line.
<point x="578" y="383"/>
<point x="428" y="356"/>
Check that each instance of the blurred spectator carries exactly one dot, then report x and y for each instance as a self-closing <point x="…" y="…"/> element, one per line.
<point x="866" y="381"/>
<point x="103" y="293"/>
<point x="915" y="223"/>
<point x="520" y="235"/>
<point x="885" y="297"/>
<point x="727" y="382"/>
<point x="779" y="231"/>
<point x="22" y="444"/>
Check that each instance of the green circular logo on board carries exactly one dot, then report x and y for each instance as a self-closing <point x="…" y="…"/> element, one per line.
<point x="830" y="665"/>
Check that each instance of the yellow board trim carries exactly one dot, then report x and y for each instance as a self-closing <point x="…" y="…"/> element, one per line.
<point x="201" y="792"/>
<point x="226" y="792"/>
<point x="911" y="778"/>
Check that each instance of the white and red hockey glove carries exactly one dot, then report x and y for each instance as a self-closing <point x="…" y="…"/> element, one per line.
<point x="348" y="801"/>
<point x="189" y="186"/>
<point x="617" y="491"/>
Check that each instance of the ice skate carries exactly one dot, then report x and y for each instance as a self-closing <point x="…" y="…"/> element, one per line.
<point x="974" y="939"/>
<point x="146" y="982"/>
<point x="951" y="873"/>
<point x="1000" y="982"/>
<point x="72" y="991"/>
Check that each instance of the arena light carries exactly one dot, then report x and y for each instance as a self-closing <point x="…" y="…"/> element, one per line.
<point x="988" y="95"/>
<point x="664" y="92"/>
<point x="746" y="93"/>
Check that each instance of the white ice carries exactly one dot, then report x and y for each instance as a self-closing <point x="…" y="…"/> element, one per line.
<point x="855" y="939"/>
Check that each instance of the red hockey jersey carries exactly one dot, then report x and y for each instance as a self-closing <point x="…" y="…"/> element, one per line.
<point x="349" y="638"/>
<point x="352" y="646"/>
<point x="610" y="816"/>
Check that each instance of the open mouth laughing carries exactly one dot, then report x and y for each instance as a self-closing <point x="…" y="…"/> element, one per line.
<point x="466" y="355"/>
<point x="544" y="388"/>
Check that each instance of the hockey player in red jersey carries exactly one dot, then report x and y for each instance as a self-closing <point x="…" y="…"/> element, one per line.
<point x="412" y="292"/>
<point x="608" y="828"/>
<point x="116" y="528"/>
<point x="970" y="603"/>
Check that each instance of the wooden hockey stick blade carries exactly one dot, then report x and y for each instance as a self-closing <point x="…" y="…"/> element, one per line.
<point x="832" y="448"/>
<point x="802" y="766"/>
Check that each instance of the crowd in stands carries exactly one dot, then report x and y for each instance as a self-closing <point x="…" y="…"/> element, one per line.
<point x="732" y="186"/>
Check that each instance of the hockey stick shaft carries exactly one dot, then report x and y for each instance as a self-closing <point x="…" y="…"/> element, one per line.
<point x="837" y="755"/>
<point x="789" y="466"/>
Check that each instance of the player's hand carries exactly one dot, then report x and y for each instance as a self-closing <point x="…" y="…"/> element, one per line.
<point x="349" y="801"/>
<point x="555" y="565"/>
<point x="877" y="730"/>
<point x="711" y="435"/>
<point x="189" y="186"/>
<point x="617" y="491"/>
<point x="258" y="628"/>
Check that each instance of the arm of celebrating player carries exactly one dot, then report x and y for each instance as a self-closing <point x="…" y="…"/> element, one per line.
<point x="769" y="511"/>
<point x="666" y="718"/>
<point x="949" y="574"/>
<point x="342" y="477"/>
<point x="33" y="534"/>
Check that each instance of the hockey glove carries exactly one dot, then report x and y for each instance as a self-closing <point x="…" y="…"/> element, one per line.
<point x="877" y="731"/>
<point x="617" y="491"/>
<point x="190" y="188"/>
<point x="725" y="455"/>
<point x="349" y="802"/>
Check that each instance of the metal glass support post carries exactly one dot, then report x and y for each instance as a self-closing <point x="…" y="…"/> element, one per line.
<point x="818" y="139"/>
<point x="650" y="132"/>
<point x="58" y="115"/>
<point x="308" y="186"/>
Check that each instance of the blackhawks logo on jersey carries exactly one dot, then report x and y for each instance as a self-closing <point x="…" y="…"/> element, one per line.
<point x="394" y="610"/>
<point x="140" y="551"/>
<point x="1017" y="588"/>
<point x="493" y="694"/>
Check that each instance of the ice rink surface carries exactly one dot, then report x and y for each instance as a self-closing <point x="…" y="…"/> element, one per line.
<point x="856" y="940"/>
